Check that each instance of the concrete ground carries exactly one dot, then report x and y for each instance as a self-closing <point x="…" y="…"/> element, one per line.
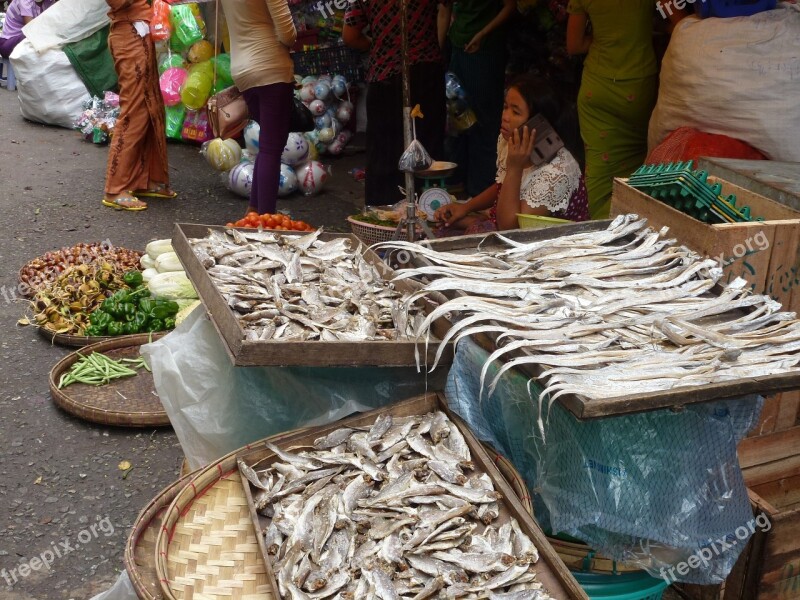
<point x="59" y="474"/>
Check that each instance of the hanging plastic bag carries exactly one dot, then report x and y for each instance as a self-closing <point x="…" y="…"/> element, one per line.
<point x="185" y="30"/>
<point x="175" y="117"/>
<point x="196" y="127"/>
<point x="160" y="28"/>
<point x="169" y="60"/>
<point x="171" y="82"/>
<point x="415" y="158"/>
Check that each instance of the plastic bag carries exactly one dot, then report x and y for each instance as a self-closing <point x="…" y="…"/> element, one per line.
<point x="160" y="28"/>
<point x="48" y="87"/>
<point x="121" y="590"/>
<point x="174" y="121"/>
<point x="196" y="127"/>
<point x="651" y="489"/>
<point x="216" y="408"/>
<point x="168" y="60"/>
<point x="171" y="82"/>
<point x="185" y="30"/>
<point x="415" y="158"/>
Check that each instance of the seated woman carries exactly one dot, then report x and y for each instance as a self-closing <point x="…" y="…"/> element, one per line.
<point x="19" y="14"/>
<point x="555" y="189"/>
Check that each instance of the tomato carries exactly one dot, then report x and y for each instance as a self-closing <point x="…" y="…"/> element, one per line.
<point x="301" y="225"/>
<point x="271" y="224"/>
<point x="229" y="225"/>
<point x="264" y="220"/>
<point x="251" y="220"/>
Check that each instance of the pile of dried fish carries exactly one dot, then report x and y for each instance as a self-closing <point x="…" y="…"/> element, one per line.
<point x="390" y="512"/>
<point x="609" y="313"/>
<point x="303" y="288"/>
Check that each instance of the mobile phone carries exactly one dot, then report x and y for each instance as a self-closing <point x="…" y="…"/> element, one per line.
<point x="547" y="143"/>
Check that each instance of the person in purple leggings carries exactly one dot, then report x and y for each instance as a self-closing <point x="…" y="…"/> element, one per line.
<point x="262" y="32"/>
<point x="19" y="14"/>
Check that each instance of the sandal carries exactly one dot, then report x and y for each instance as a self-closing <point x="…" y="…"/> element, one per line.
<point x="127" y="202"/>
<point x="160" y="191"/>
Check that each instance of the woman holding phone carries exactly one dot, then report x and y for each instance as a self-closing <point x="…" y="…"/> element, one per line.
<point x="553" y="189"/>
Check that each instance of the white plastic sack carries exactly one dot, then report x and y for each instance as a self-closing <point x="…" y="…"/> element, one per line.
<point x="738" y="77"/>
<point x="216" y="408"/>
<point x="121" y="590"/>
<point x="49" y="89"/>
<point x="66" y="21"/>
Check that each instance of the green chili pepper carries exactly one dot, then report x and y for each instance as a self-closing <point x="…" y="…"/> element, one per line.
<point x="94" y="331"/>
<point x="115" y="328"/>
<point x="169" y="323"/>
<point x="133" y="278"/>
<point x="100" y="319"/>
<point x="129" y="328"/>
<point x="146" y="304"/>
<point x="155" y="325"/>
<point x="140" y="320"/>
<point x="128" y="311"/>
<point x="164" y="309"/>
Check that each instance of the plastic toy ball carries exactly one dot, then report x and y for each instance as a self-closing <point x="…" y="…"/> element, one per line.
<point x="287" y="182"/>
<point x="317" y="107"/>
<point x="326" y="135"/>
<point x="322" y="90"/>
<point x="307" y="93"/>
<point x="308" y="79"/>
<point x="220" y="155"/>
<point x="251" y="132"/>
<point x="240" y="179"/>
<point x="296" y="149"/>
<point x="323" y="121"/>
<point x="336" y="148"/>
<point x="344" y="114"/>
<point x="339" y="88"/>
<point x="311" y="177"/>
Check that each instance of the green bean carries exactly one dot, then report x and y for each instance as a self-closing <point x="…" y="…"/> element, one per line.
<point x="98" y="369"/>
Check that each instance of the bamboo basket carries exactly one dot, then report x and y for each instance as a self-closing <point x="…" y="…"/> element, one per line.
<point x="206" y="545"/>
<point x="128" y="402"/>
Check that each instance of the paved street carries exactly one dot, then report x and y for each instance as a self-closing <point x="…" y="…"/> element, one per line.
<point x="59" y="475"/>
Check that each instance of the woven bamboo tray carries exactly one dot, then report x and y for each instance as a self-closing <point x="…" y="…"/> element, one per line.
<point x="74" y="341"/>
<point x="129" y="402"/>
<point x="206" y="546"/>
<point x="140" y="549"/>
<point x="512" y="476"/>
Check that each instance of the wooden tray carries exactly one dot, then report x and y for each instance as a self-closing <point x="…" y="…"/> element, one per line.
<point x="550" y="569"/>
<point x="129" y="402"/>
<point x="296" y="353"/>
<point x="590" y="408"/>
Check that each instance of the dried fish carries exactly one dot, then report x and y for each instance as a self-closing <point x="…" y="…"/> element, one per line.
<point x="349" y="523"/>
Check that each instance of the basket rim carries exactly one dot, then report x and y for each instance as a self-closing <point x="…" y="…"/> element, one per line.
<point x="200" y="482"/>
<point x="97" y="415"/>
<point x="356" y="222"/>
<point x="143" y="521"/>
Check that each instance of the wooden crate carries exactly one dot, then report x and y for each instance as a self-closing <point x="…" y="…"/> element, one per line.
<point x="765" y="253"/>
<point x="590" y="408"/>
<point x="550" y="569"/>
<point x="315" y="353"/>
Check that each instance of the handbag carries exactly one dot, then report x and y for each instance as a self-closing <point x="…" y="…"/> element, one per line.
<point x="301" y="119"/>
<point x="227" y="113"/>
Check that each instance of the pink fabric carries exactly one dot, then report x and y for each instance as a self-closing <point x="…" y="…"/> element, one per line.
<point x="687" y="143"/>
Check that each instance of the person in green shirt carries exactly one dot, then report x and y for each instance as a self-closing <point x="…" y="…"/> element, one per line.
<point x="478" y="58"/>
<point x="618" y="88"/>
